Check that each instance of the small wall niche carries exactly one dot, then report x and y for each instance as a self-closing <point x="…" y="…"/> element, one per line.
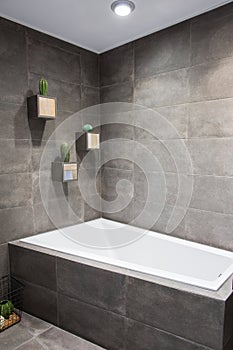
<point x="42" y="107"/>
<point x="64" y="172"/>
<point x="87" y="141"/>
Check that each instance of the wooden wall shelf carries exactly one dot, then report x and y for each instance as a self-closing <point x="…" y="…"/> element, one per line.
<point x="42" y="107"/>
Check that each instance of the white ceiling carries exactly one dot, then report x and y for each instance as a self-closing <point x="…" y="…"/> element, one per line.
<point x="92" y="25"/>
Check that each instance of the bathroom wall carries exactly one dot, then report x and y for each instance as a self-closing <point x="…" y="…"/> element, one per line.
<point x="185" y="73"/>
<point x="73" y="74"/>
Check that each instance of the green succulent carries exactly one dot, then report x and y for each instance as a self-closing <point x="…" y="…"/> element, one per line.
<point x="6" y="308"/>
<point x="87" y="127"/>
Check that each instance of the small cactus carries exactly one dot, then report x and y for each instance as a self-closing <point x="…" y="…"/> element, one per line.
<point x="43" y="87"/>
<point x="65" y="152"/>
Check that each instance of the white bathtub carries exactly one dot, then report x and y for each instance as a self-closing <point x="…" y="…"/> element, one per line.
<point x="150" y="253"/>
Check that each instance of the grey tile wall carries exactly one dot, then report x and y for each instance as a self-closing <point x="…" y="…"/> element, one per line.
<point x="73" y="75"/>
<point x="185" y="74"/>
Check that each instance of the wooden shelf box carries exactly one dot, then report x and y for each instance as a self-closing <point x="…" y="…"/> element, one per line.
<point x="87" y="141"/>
<point x="42" y="107"/>
<point x="64" y="172"/>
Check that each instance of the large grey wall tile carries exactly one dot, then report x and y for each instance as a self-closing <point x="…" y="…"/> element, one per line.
<point x="117" y="131"/>
<point x="117" y="93"/>
<point x="209" y="228"/>
<point x="211" y="156"/>
<point x="89" y="176"/>
<point x="90" y="69"/>
<point x="123" y="158"/>
<point x="191" y="316"/>
<point x="177" y="116"/>
<point x="36" y="195"/>
<point x="213" y="193"/>
<point x="116" y="66"/>
<point x="32" y="34"/>
<point x="159" y="186"/>
<point x="55" y="191"/>
<point x="16" y="223"/>
<point x="89" y="159"/>
<point x="90" y="284"/>
<point x="142" y="337"/>
<point x="163" y="51"/>
<point x="171" y="122"/>
<point x="164" y="89"/>
<point x="125" y="215"/>
<point x="13" y="67"/>
<point x="52" y="62"/>
<point x="15" y="156"/>
<point x="42" y="221"/>
<point x="157" y="216"/>
<point x="75" y="199"/>
<point x="52" y="153"/>
<point x="219" y="12"/>
<point x="161" y="157"/>
<point x="92" y="323"/>
<point x="13" y="122"/>
<point x="57" y="213"/>
<point x="217" y="42"/>
<point x="110" y="178"/>
<point x="4" y="263"/>
<point x="211" y="118"/>
<point x="90" y="96"/>
<point x="90" y="212"/>
<point x="24" y="263"/>
<point x="20" y="193"/>
<point x="68" y="94"/>
<point x="11" y="25"/>
<point x="210" y="81"/>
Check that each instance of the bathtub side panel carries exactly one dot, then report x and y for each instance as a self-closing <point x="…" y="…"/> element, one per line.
<point x="188" y="315"/>
<point x="228" y="322"/>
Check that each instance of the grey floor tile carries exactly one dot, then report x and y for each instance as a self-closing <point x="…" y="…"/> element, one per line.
<point x="34" y="334"/>
<point x="34" y="325"/>
<point x="31" y="345"/>
<point x="14" y="337"/>
<point x="57" y="339"/>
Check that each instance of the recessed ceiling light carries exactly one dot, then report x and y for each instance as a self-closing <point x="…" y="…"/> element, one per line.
<point x="122" y="7"/>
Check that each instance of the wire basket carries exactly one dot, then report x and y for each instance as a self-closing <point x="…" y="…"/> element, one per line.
<point x="11" y="302"/>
